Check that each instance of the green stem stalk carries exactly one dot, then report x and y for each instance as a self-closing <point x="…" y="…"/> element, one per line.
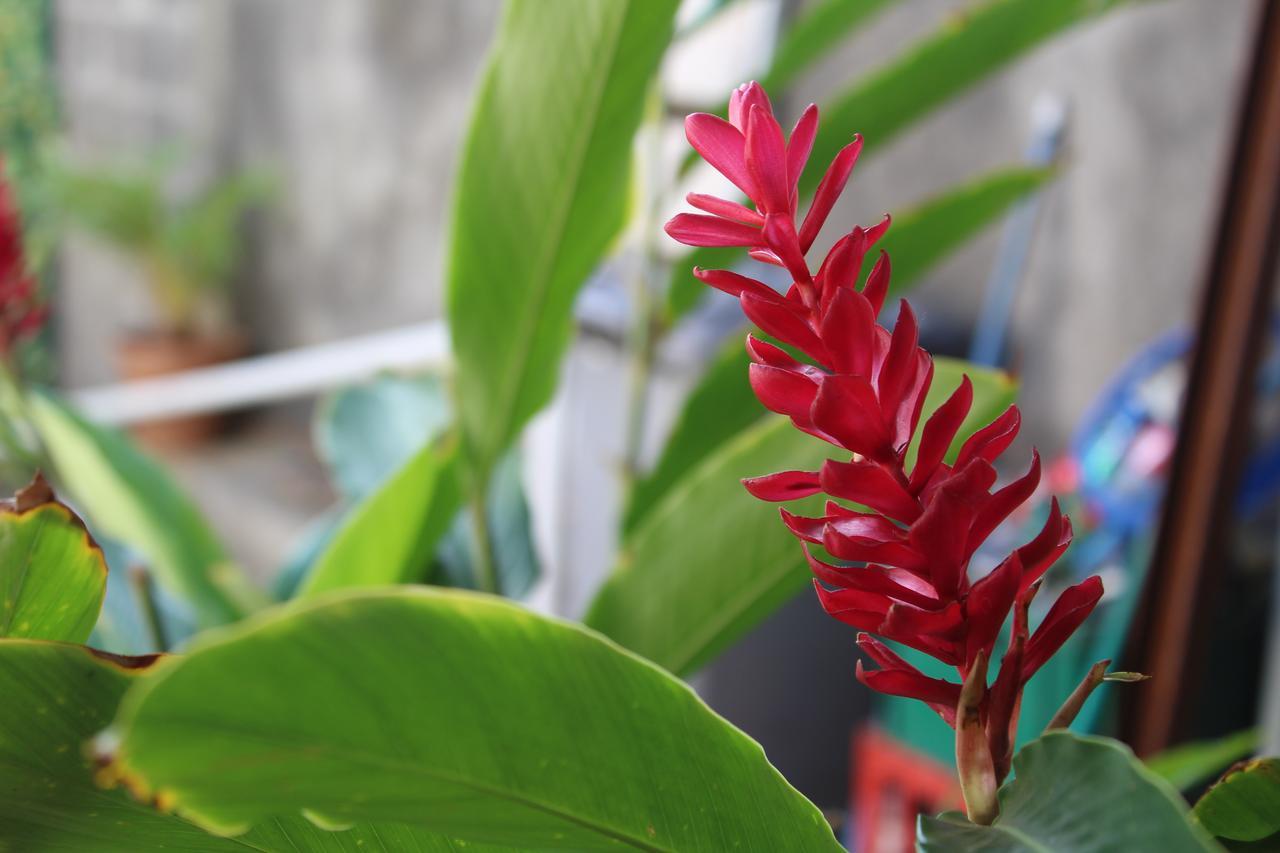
<point x="144" y="592"/>
<point x="486" y="573"/>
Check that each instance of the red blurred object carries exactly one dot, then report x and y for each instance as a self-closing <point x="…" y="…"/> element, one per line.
<point x="892" y="784"/>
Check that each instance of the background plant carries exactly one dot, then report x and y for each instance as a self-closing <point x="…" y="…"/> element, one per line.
<point x="187" y="249"/>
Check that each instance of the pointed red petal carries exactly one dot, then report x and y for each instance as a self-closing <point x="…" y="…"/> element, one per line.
<point x="900" y="362"/>
<point x="725" y="208"/>
<point x="784" y="485"/>
<point x="846" y="409"/>
<point x="723" y="146"/>
<point x="778" y="318"/>
<point x="763" y="352"/>
<point x="842" y="266"/>
<point x="801" y="143"/>
<point x="907" y="417"/>
<point x="988" y="605"/>
<point x="877" y="287"/>
<point x="743" y="99"/>
<point x="766" y="157"/>
<point x="698" y="229"/>
<point x="780" y="235"/>
<point x="913" y="685"/>
<point x="803" y="527"/>
<point x="1050" y="543"/>
<point x="878" y="580"/>
<point x="939" y="432"/>
<point x="829" y="189"/>
<point x="786" y="392"/>
<point x="868" y="483"/>
<point x="1066" y="615"/>
<point x="992" y="440"/>
<point x="733" y="283"/>
<point x="846" y="544"/>
<point x="847" y="325"/>
<point x="1002" y="503"/>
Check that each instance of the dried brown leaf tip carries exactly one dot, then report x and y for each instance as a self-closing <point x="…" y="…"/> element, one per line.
<point x="38" y="493"/>
<point x="35" y="494"/>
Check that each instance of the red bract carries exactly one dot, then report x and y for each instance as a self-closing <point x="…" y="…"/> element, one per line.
<point x="21" y="314"/>
<point x="901" y="566"/>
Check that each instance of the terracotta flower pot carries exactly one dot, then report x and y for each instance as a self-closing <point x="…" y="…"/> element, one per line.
<point x="143" y="354"/>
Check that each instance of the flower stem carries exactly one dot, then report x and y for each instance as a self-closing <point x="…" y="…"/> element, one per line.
<point x="486" y="573"/>
<point x="144" y="592"/>
<point x="645" y="325"/>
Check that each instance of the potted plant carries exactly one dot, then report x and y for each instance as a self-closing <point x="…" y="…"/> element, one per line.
<point x="186" y="251"/>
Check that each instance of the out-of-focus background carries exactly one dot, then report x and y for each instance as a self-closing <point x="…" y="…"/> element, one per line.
<point x="274" y="179"/>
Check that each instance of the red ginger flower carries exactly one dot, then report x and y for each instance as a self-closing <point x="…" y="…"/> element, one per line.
<point x="904" y="573"/>
<point x="21" y="314"/>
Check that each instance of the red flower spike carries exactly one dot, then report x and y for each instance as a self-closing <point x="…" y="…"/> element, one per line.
<point x="907" y="572"/>
<point x="21" y="313"/>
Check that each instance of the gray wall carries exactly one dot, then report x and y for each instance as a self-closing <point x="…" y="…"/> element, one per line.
<point x="359" y="107"/>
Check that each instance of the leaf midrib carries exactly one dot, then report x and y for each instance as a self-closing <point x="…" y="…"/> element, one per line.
<point x="528" y="320"/>
<point x="311" y="748"/>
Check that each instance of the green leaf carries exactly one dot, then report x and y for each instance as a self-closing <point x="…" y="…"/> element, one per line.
<point x="366" y="432"/>
<point x="1074" y="793"/>
<point x="1244" y="805"/>
<point x="815" y="34"/>
<point x="129" y="497"/>
<point x="458" y="712"/>
<point x="391" y="536"/>
<point x="709" y="561"/>
<point x="52" y="574"/>
<point x="56" y="698"/>
<point x="722" y="403"/>
<point x="1189" y="764"/>
<point x="541" y="194"/>
<point x="965" y="50"/>
<point x="932" y="230"/>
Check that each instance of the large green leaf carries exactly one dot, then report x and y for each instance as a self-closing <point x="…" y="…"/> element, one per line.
<point x="722" y="403"/>
<point x="710" y="561"/>
<point x="962" y="52"/>
<point x="458" y="712"/>
<point x="541" y="194"/>
<point x="391" y="537"/>
<point x="1244" y="805"/>
<point x="59" y="696"/>
<point x="1074" y="793"/>
<point x="52" y="574"/>
<point x="129" y="497"/>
